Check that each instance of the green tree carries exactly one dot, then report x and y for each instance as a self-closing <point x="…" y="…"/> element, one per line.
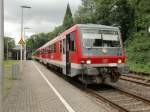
<point x="37" y="40"/>
<point x="122" y="14"/>
<point x="9" y="44"/>
<point x="86" y="12"/>
<point x="68" y="19"/>
<point x="103" y="11"/>
<point x="138" y="45"/>
<point x="58" y="30"/>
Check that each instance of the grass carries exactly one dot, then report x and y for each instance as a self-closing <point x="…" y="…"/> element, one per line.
<point x="139" y="68"/>
<point x="8" y="80"/>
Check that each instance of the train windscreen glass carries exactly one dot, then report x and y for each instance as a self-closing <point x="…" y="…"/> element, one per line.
<point x="101" y="38"/>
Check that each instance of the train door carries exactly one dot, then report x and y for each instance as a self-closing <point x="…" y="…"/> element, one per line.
<point x="68" y="61"/>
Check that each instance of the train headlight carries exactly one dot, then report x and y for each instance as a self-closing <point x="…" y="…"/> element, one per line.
<point x="88" y="62"/>
<point x="119" y="61"/>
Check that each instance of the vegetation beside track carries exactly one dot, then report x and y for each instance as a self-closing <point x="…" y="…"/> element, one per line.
<point x="8" y="80"/>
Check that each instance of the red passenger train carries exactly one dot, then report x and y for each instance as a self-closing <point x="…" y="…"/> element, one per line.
<point x="92" y="53"/>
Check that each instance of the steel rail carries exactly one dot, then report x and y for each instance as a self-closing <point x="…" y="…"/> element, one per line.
<point x="134" y="80"/>
<point x="101" y="98"/>
<point x="115" y="105"/>
<point x="135" y="77"/>
<point x="147" y="101"/>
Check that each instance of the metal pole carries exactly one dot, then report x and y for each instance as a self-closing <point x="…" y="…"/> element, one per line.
<point x="25" y="47"/>
<point x="27" y="7"/>
<point x="1" y="49"/>
<point x="21" y="53"/>
<point x="7" y="48"/>
<point x="25" y="44"/>
<point x="21" y="32"/>
<point x="17" y="55"/>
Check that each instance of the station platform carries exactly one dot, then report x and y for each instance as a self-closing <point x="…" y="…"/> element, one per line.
<point x="40" y="90"/>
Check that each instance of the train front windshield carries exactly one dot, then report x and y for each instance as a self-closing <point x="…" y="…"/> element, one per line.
<point x="93" y="41"/>
<point x="102" y="38"/>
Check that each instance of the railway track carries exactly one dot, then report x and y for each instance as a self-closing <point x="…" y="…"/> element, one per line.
<point x="136" y="79"/>
<point x="122" y="100"/>
<point x="116" y="97"/>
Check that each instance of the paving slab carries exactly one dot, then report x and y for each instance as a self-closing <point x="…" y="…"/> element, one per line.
<point x="33" y="94"/>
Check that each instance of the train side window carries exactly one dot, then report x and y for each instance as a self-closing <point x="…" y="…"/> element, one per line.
<point x="44" y="50"/>
<point x="54" y="48"/>
<point x="72" y="42"/>
<point x="64" y="46"/>
<point x="49" y="49"/>
<point x="60" y="46"/>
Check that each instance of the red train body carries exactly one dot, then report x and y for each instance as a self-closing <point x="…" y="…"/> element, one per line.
<point x="93" y="53"/>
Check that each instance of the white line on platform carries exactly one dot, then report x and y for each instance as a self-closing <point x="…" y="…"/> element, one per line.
<point x="68" y="107"/>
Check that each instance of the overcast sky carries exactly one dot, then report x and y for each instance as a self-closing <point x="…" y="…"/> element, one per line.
<point x="44" y="15"/>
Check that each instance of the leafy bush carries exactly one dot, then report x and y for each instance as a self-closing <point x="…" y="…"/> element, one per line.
<point x="138" y="52"/>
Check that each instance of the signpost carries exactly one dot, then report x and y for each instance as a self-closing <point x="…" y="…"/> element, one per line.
<point x="21" y="42"/>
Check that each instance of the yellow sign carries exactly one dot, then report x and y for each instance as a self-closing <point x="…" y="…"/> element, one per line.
<point x="21" y="41"/>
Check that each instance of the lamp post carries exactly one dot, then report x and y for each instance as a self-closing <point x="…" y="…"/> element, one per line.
<point x="22" y="7"/>
<point x="25" y="47"/>
<point x="1" y="49"/>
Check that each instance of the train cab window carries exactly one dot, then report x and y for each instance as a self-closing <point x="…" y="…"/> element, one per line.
<point x="72" y="42"/>
<point x="110" y="40"/>
<point x="92" y="39"/>
<point x="101" y="38"/>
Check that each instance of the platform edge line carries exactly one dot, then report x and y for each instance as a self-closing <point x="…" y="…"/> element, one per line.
<point x="68" y="107"/>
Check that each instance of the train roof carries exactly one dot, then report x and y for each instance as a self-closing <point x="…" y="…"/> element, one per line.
<point x="96" y="26"/>
<point x="80" y="26"/>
